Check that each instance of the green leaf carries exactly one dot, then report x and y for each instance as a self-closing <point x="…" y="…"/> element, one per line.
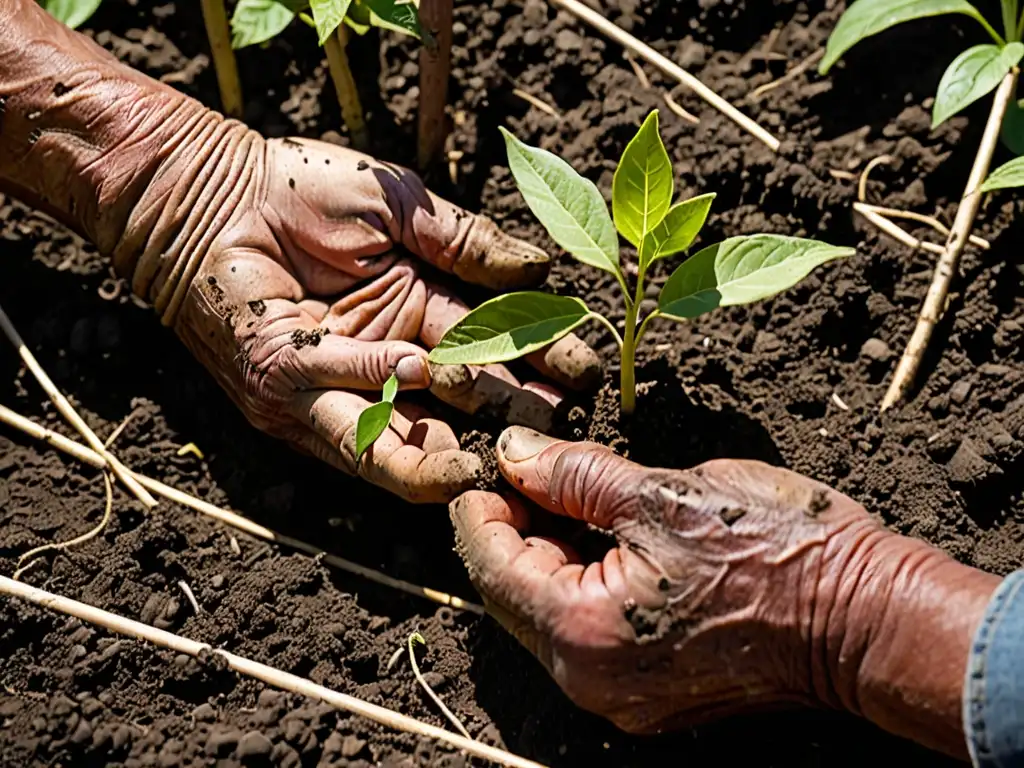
<point x="328" y="14"/>
<point x="865" y="18"/>
<point x="256" y="21"/>
<point x="742" y="270"/>
<point x="390" y="389"/>
<point x="569" y="206"/>
<point x="508" y="327"/>
<point x="396" y="15"/>
<point x="974" y="73"/>
<point x="643" y="185"/>
<point x="1005" y="176"/>
<point x="371" y="425"/>
<point x="71" y="12"/>
<point x="677" y="230"/>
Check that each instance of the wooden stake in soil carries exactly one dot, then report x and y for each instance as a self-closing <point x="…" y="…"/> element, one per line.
<point x="935" y="300"/>
<point x="667" y="66"/>
<point x="93" y="459"/>
<point x="435" y="65"/>
<point x="216" y="19"/>
<point x="68" y="412"/>
<point x="269" y="675"/>
<point x="345" y="87"/>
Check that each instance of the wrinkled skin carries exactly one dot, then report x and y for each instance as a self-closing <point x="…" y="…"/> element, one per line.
<point x="300" y="273"/>
<point x="729" y="587"/>
<point x="327" y="284"/>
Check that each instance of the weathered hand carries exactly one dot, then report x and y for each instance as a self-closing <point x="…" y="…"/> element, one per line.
<point x="316" y="289"/>
<point x="295" y="270"/>
<point x="734" y="585"/>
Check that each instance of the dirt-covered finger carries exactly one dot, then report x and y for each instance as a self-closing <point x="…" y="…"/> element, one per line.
<point x="586" y="481"/>
<point x="491" y="389"/>
<point x="569" y="362"/>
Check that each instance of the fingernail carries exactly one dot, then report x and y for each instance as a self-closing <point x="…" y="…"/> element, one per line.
<point x="521" y="443"/>
<point x="412" y="371"/>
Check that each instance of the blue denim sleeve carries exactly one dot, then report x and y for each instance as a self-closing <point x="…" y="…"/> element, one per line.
<point x="994" y="686"/>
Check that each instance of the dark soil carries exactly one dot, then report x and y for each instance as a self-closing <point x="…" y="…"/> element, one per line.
<point x="755" y="382"/>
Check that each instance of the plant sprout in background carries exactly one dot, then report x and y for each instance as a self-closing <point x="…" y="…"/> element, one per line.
<point x="257" y="21"/>
<point x="740" y="270"/>
<point x="976" y="72"/>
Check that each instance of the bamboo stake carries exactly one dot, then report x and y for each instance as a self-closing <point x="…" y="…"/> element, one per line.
<point x="935" y="301"/>
<point x="219" y="33"/>
<point x="269" y="675"/>
<point x="345" y="87"/>
<point x="93" y="459"/>
<point x="667" y="66"/>
<point x="435" y="66"/>
<point x="68" y="412"/>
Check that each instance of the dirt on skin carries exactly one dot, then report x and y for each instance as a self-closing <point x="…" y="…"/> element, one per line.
<point x="795" y="381"/>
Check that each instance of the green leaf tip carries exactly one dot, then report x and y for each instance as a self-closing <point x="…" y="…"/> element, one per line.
<point x="643" y="185"/>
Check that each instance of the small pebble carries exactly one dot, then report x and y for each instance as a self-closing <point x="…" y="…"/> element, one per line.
<point x="876" y="349"/>
<point x="253" y="745"/>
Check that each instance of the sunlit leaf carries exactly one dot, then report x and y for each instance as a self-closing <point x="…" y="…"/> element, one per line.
<point x="256" y="21"/>
<point x="865" y="18"/>
<point x="371" y="425"/>
<point x="1005" y="176"/>
<point x="397" y="15"/>
<point x="569" y="206"/>
<point x="328" y="14"/>
<point x="508" y="327"/>
<point x="742" y="270"/>
<point x="71" y="12"/>
<point x="973" y="74"/>
<point x="677" y="230"/>
<point x="642" y="187"/>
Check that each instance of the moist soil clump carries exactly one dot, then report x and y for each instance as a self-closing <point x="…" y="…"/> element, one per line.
<point x="795" y="381"/>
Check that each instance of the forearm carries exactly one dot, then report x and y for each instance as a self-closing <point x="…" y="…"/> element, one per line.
<point x="133" y="165"/>
<point x="899" y="637"/>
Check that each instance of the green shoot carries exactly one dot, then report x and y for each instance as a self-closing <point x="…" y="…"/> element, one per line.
<point x="740" y="270"/>
<point x="375" y="419"/>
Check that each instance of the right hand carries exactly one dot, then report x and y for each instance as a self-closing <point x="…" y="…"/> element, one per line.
<point x="733" y="586"/>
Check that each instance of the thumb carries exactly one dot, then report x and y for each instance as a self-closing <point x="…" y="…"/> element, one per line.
<point x="586" y="481"/>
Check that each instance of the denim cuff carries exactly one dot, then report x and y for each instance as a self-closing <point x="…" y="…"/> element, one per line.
<point x="994" y="685"/>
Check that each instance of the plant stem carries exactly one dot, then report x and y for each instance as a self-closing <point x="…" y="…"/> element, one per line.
<point x="627" y="375"/>
<point x="935" y="301"/>
<point x="991" y="30"/>
<point x="435" y="67"/>
<point x="345" y="87"/>
<point x="643" y="325"/>
<point x="1010" y="19"/>
<point x="608" y="324"/>
<point x="216" y="19"/>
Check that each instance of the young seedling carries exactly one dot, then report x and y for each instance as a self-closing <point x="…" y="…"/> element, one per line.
<point x="258" y="21"/>
<point x="973" y="74"/>
<point x="740" y="270"/>
<point x="375" y="419"/>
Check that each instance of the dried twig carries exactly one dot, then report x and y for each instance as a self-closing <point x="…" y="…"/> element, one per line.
<point x="68" y="412"/>
<point x="64" y="545"/>
<point x="269" y="675"/>
<point x="189" y="595"/>
<point x="112" y="437"/>
<point x="90" y="457"/>
<point x="894" y="230"/>
<point x="680" y="111"/>
<point x="637" y="70"/>
<point x="931" y="221"/>
<point x="414" y="638"/>
<point x="667" y="66"/>
<point x="543" y="106"/>
<point x="935" y="300"/>
<point x="792" y="74"/>
<point x="862" y="185"/>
